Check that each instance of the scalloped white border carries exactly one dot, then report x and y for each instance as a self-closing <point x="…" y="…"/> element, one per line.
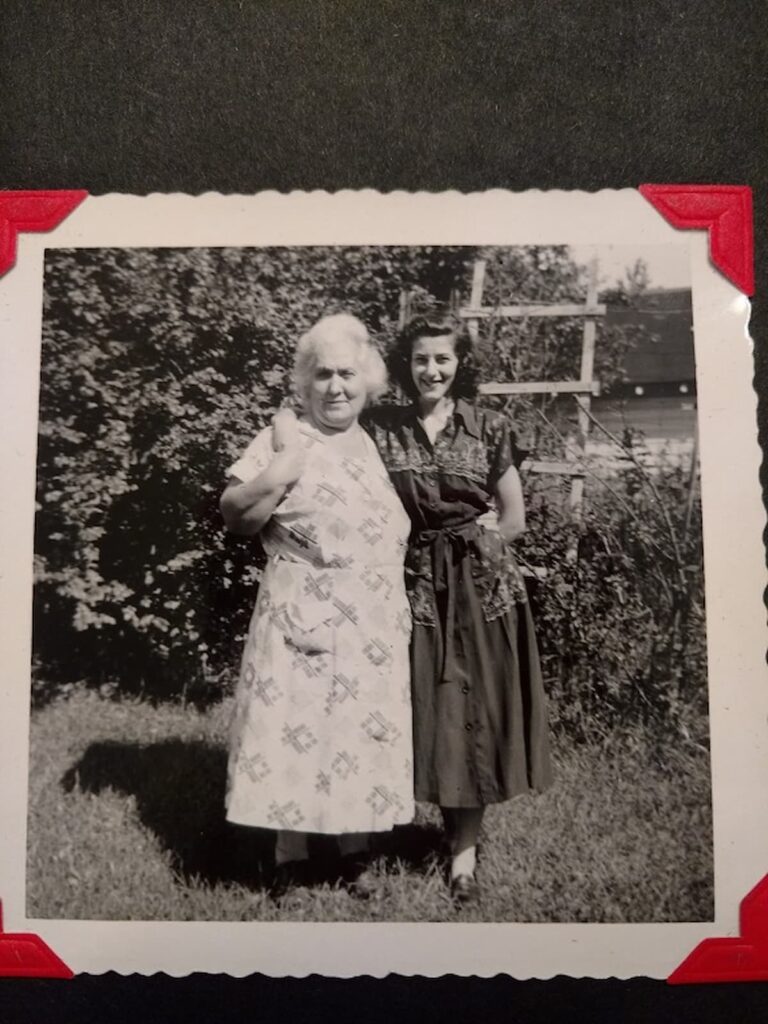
<point x="735" y="577"/>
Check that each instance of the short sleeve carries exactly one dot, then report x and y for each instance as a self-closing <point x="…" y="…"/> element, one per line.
<point x="255" y="459"/>
<point x="503" y="451"/>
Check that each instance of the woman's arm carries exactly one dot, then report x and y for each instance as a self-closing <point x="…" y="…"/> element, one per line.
<point x="509" y="500"/>
<point x="247" y="506"/>
<point x="285" y="430"/>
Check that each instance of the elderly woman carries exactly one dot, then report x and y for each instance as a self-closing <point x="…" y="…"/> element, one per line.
<point x="480" y="727"/>
<point x="321" y="733"/>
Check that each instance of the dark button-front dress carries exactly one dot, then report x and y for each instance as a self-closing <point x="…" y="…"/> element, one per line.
<point x="480" y="723"/>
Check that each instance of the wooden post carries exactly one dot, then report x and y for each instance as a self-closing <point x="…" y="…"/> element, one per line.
<point x="476" y="299"/>
<point x="404" y="309"/>
<point x="586" y="373"/>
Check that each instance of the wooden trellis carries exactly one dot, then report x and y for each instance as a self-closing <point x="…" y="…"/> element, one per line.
<point x="582" y="389"/>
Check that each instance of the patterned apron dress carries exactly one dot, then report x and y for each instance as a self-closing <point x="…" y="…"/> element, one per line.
<point x="321" y="736"/>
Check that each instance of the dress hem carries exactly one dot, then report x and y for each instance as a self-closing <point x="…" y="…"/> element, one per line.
<point x="470" y="803"/>
<point x="368" y="827"/>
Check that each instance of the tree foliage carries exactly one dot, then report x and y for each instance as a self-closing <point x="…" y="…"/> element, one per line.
<point x="158" y="367"/>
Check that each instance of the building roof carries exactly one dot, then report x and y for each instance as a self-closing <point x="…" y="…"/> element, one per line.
<point x="664" y="354"/>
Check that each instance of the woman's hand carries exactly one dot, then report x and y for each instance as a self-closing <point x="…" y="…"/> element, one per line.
<point x="285" y="430"/>
<point x="290" y="458"/>
<point x="511" y="531"/>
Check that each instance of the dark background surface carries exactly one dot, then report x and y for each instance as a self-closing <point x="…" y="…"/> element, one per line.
<point x="241" y="95"/>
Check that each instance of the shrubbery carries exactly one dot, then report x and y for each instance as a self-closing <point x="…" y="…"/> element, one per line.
<point x="159" y="365"/>
<point x="622" y="626"/>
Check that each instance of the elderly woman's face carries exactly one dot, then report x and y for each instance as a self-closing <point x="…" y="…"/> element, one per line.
<point x="337" y="389"/>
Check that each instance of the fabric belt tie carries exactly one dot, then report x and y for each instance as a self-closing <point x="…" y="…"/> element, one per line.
<point x="450" y="546"/>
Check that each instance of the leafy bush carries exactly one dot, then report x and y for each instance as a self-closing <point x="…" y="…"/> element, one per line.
<point x="621" y="627"/>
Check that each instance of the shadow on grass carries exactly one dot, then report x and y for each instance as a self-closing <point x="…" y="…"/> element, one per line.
<point x="416" y="846"/>
<point x="178" y="786"/>
<point x="179" y="789"/>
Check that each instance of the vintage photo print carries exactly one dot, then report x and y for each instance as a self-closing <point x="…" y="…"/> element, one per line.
<point x="379" y="562"/>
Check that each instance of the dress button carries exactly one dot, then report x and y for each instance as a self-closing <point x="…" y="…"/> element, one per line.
<point x="465" y="688"/>
<point x="468" y="727"/>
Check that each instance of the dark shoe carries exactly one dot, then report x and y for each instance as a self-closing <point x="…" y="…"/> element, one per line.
<point x="292" y="875"/>
<point x="464" y="889"/>
<point x="357" y="876"/>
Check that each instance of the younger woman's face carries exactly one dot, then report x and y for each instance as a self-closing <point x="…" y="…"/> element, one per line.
<point x="434" y="365"/>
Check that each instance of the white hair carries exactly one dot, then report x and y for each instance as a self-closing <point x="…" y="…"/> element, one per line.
<point x="334" y="327"/>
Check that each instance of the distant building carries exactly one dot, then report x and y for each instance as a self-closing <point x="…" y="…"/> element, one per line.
<point x="657" y="398"/>
<point x="663" y="362"/>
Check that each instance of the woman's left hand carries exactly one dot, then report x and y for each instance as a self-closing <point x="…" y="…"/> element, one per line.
<point x="511" y="531"/>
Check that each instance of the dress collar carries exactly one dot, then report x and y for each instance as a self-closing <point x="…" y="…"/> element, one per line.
<point x="468" y="415"/>
<point x="308" y="429"/>
<point x="462" y="410"/>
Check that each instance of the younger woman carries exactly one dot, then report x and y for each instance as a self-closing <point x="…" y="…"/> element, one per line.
<point x="480" y="724"/>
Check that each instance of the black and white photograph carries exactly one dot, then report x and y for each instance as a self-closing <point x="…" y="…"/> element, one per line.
<point x="383" y="419"/>
<point x="369" y="588"/>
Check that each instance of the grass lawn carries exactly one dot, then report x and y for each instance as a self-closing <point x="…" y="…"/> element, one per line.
<point x="126" y="822"/>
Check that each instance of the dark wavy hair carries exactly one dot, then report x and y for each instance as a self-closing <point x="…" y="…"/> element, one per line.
<point x="399" y="360"/>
